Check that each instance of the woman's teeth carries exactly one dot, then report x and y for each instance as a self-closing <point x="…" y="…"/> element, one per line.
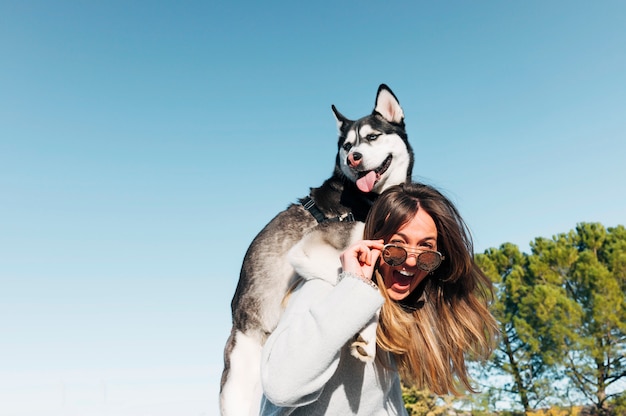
<point x="405" y="273"/>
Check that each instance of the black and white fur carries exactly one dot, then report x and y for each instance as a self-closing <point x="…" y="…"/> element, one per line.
<point x="373" y="154"/>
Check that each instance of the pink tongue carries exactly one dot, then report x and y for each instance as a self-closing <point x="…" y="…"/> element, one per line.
<point x="366" y="183"/>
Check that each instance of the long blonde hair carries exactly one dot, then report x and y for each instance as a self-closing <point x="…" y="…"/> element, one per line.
<point x="446" y="319"/>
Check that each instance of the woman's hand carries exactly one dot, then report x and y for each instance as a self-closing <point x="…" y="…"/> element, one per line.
<point x="361" y="257"/>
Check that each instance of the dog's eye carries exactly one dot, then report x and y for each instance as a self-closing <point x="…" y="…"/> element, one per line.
<point x="347" y="146"/>
<point x="372" y="137"/>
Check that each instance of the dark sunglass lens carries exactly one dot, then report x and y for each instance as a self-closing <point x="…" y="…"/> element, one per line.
<point x="394" y="256"/>
<point x="428" y="260"/>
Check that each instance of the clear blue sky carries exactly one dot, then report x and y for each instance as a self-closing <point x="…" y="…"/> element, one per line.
<point x="144" y="144"/>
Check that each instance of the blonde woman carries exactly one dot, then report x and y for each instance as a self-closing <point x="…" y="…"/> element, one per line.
<point x="401" y="299"/>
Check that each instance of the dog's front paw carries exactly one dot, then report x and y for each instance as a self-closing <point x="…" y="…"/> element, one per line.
<point x="364" y="345"/>
<point x="364" y="351"/>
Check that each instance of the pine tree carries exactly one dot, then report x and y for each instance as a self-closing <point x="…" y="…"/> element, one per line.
<point x="518" y="355"/>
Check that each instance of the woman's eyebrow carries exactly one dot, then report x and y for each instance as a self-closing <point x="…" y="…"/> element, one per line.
<point x="427" y="238"/>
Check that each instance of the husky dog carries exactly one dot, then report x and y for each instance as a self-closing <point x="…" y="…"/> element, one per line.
<point x="373" y="154"/>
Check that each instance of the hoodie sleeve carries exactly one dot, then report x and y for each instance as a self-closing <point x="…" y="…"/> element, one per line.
<point x="303" y="352"/>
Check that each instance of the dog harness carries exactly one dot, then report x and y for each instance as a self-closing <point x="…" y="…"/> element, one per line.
<point x="309" y="204"/>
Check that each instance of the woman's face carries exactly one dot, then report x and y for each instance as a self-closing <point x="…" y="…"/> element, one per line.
<point x="418" y="234"/>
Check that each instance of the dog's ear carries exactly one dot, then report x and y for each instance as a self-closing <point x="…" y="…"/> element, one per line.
<point x="341" y="120"/>
<point x="387" y="105"/>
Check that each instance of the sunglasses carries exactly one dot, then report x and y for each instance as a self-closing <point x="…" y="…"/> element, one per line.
<point x="427" y="260"/>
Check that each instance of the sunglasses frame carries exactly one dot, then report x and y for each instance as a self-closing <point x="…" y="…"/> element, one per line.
<point x="420" y="265"/>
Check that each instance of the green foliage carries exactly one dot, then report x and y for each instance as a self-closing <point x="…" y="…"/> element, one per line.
<point x="424" y="403"/>
<point x="517" y="296"/>
<point x="617" y="404"/>
<point x="562" y="314"/>
<point x="556" y="411"/>
<point x="594" y="358"/>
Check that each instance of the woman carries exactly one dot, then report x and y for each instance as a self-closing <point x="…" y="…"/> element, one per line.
<point x="410" y="278"/>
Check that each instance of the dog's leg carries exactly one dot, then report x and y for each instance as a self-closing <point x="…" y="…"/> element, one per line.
<point x="240" y="394"/>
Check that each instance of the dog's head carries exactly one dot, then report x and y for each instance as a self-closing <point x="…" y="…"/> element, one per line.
<point x="374" y="152"/>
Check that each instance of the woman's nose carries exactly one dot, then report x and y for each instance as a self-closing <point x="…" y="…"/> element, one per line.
<point x="411" y="260"/>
